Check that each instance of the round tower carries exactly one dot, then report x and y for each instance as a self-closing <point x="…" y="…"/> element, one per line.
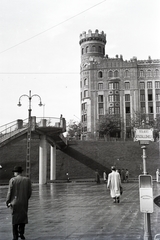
<point x="92" y="50"/>
<point x="92" y="44"/>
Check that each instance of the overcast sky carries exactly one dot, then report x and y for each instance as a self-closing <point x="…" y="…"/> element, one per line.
<point x="39" y="48"/>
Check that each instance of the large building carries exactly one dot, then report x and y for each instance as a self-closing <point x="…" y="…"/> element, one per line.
<point x="115" y="86"/>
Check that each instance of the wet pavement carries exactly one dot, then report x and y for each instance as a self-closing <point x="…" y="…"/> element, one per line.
<point x="81" y="211"/>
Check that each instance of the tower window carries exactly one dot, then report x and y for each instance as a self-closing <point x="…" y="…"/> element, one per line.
<point x="93" y="48"/>
<point x="84" y="106"/>
<point x="85" y="81"/>
<point x="86" y="93"/>
<point x="87" y="48"/>
<point x="99" y="49"/>
<point x="100" y="86"/>
<point x="100" y="98"/>
<point x="127" y="97"/>
<point x="127" y="85"/>
<point x="100" y="108"/>
<point x="82" y="51"/>
<point x="100" y="74"/>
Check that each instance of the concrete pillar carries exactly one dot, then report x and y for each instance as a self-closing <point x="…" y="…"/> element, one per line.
<point x="53" y="163"/>
<point x="43" y="160"/>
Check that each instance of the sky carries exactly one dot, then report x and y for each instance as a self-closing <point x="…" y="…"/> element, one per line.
<point x="40" y="51"/>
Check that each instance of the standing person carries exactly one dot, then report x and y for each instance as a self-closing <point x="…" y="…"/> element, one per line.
<point x="104" y="176"/>
<point x="114" y="184"/>
<point x="123" y="175"/>
<point x="19" y="192"/>
<point x="157" y="175"/>
<point x="127" y="175"/>
<point x="97" y="176"/>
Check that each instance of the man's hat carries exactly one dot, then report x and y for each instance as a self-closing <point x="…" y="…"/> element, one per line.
<point x="17" y="169"/>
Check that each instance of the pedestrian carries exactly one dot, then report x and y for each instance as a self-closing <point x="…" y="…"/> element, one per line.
<point x="19" y="192"/>
<point x="123" y="175"/>
<point x="104" y="176"/>
<point x="97" y="176"/>
<point x="127" y="175"/>
<point x="114" y="184"/>
<point x="157" y="175"/>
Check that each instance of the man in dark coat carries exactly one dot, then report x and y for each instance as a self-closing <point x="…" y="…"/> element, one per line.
<point x="19" y="192"/>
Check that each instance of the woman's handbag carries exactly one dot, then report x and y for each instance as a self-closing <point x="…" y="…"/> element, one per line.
<point x="121" y="190"/>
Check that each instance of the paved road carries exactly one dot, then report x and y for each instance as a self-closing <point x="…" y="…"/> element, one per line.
<point x="81" y="211"/>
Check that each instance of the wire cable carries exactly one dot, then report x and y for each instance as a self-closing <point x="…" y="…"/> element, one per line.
<point x="38" y="34"/>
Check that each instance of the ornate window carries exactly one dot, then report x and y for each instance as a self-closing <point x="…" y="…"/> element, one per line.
<point x="157" y="84"/>
<point x="127" y="97"/>
<point x="85" y="81"/>
<point x="110" y="74"/>
<point x="149" y="73"/>
<point x="87" y="48"/>
<point x="99" y="49"/>
<point x="156" y="73"/>
<point x="141" y="73"/>
<point x="100" y="98"/>
<point x="116" y="74"/>
<point x="149" y="84"/>
<point x="93" y="48"/>
<point x="142" y="85"/>
<point x="126" y="74"/>
<point x="100" y="86"/>
<point x="127" y="85"/>
<point x="86" y="93"/>
<point x="100" y="74"/>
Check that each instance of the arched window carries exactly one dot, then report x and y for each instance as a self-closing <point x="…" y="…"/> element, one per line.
<point x="86" y="93"/>
<point x="100" y="74"/>
<point x="87" y="48"/>
<point x="141" y="73"/>
<point x="82" y="51"/>
<point x="110" y="74"/>
<point x="85" y="81"/>
<point x="127" y="85"/>
<point x="93" y="48"/>
<point x="149" y="73"/>
<point x="100" y="49"/>
<point x="116" y="73"/>
<point x="156" y="73"/>
<point x="126" y="74"/>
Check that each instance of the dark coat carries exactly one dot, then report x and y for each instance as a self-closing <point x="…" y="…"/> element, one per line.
<point x="19" y="192"/>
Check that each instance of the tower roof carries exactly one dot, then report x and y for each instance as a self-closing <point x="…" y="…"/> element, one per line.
<point x="92" y="36"/>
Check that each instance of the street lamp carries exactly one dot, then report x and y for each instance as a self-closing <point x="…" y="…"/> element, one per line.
<point x="29" y="127"/>
<point x="30" y="98"/>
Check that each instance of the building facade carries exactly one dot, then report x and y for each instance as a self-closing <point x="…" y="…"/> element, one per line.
<point x="115" y="86"/>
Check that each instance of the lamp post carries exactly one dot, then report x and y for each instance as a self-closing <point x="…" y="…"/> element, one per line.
<point x="29" y="127"/>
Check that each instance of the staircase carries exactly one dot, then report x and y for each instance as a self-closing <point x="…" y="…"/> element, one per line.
<point x="20" y="129"/>
<point x="12" y="131"/>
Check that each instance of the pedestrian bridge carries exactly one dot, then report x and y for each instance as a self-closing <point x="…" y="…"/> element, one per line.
<point x="48" y="130"/>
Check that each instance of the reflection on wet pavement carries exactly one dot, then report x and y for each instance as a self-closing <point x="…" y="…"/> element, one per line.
<point x="81" y="211"/>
